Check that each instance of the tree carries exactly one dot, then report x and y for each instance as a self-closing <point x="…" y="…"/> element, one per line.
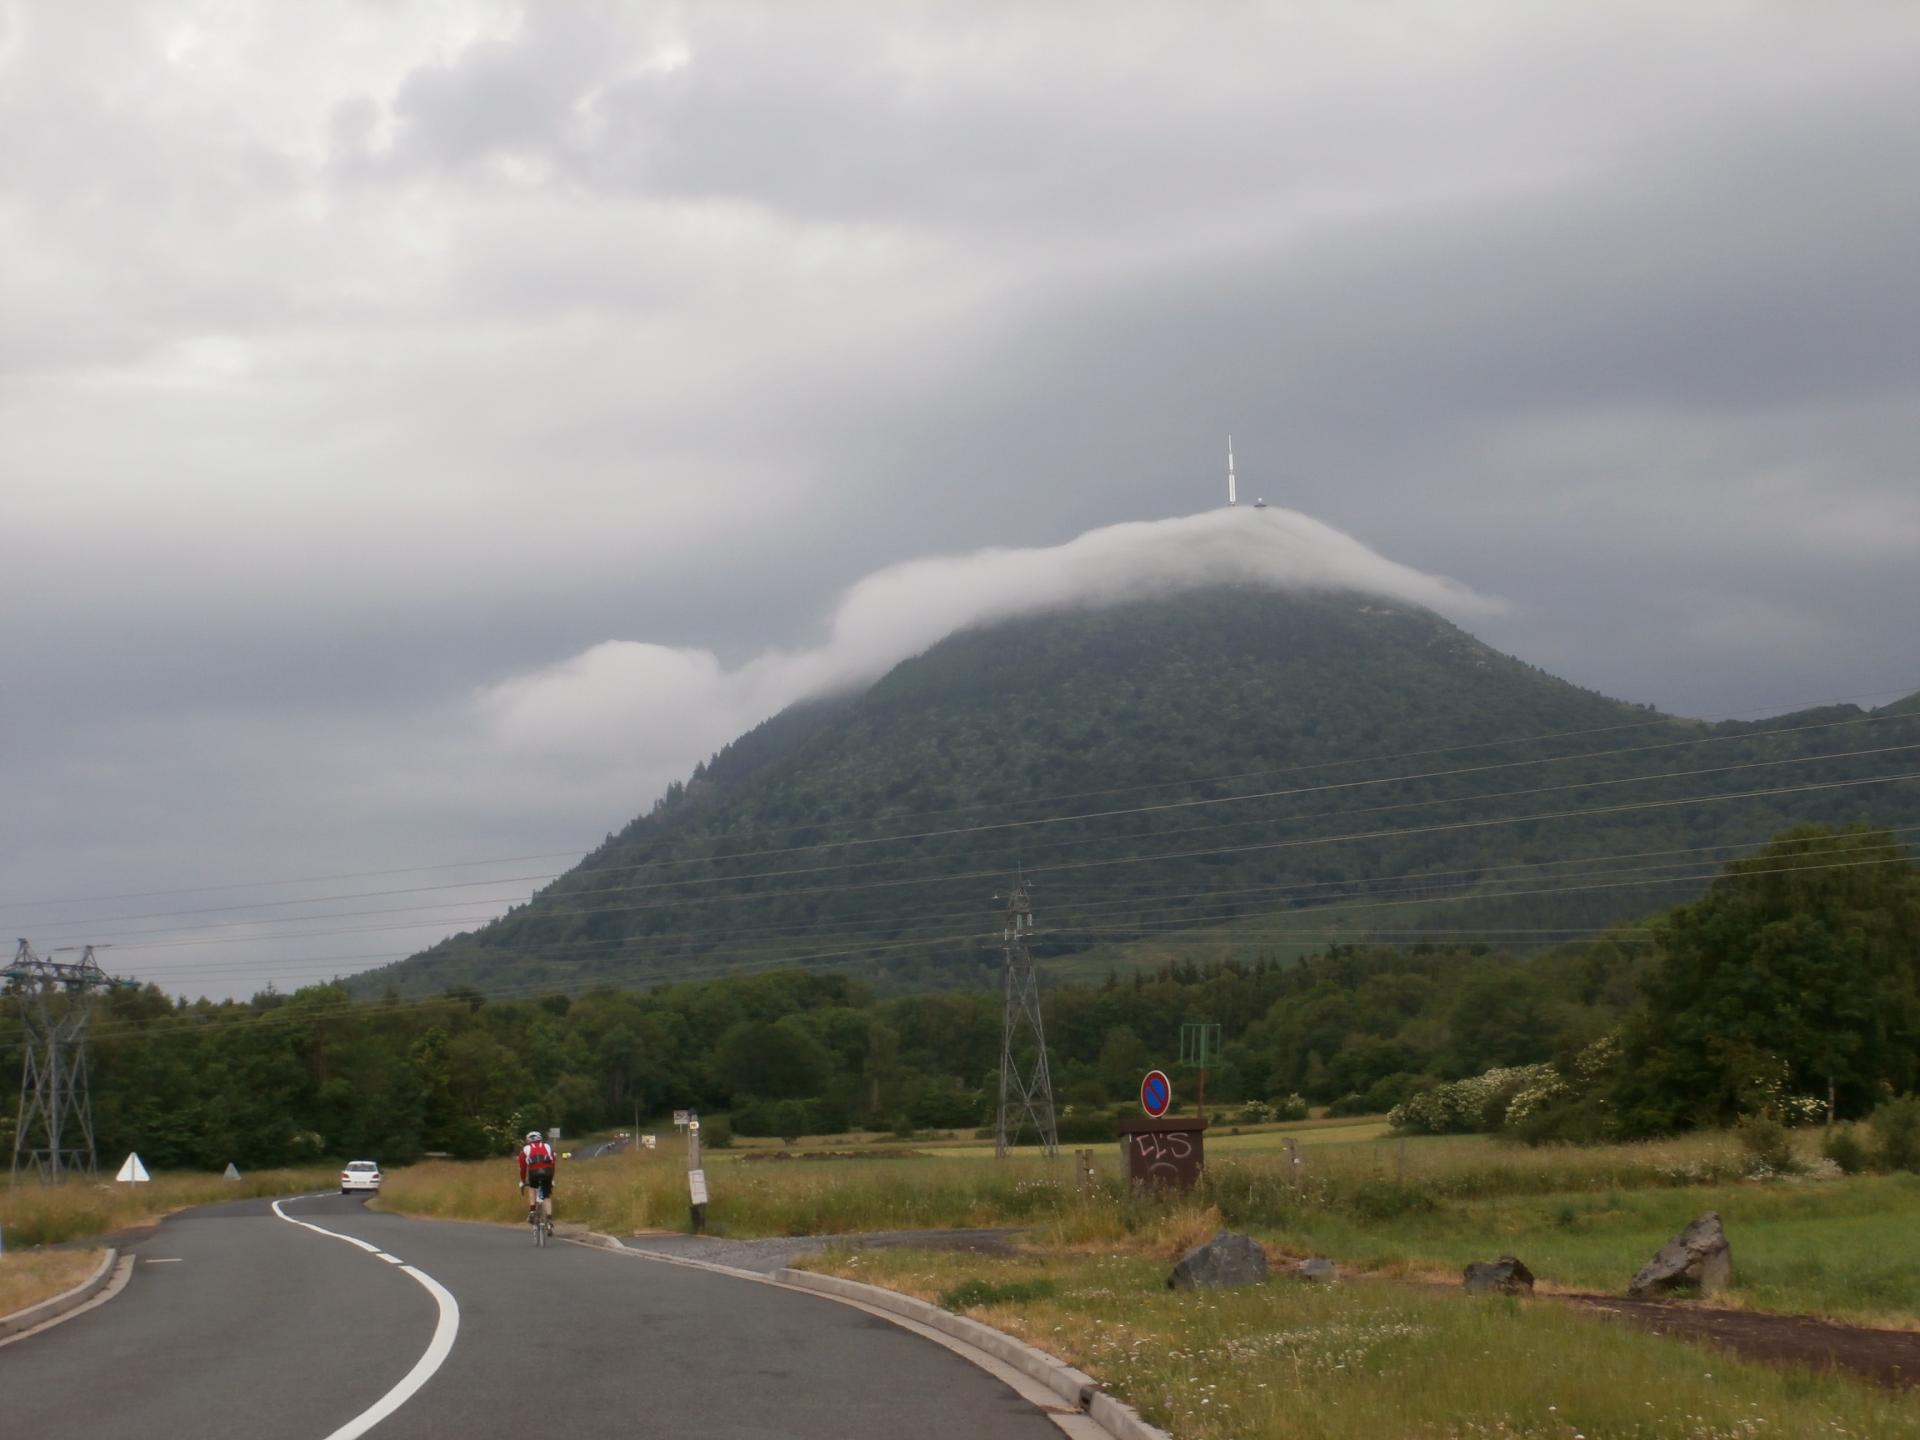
<point x="1795" y="978"/>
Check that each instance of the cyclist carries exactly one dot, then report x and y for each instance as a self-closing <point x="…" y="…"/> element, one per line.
<point x="536" y="1174"/>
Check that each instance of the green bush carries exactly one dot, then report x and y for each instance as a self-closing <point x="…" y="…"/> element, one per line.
<point x="1576" y="1122"/>
<point x="1083" y="1127"/>
<point x="1844" y="1148"/>
<point x="1896" y="1125"/>
<point x="1766" y="1140"/>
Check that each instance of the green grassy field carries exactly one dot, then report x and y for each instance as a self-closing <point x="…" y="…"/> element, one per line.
<point x="1358" y="1361"/>
<point x="1581" y="1219"/>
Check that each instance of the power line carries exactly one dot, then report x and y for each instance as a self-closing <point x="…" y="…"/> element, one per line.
<point x="1290" y="793"/>
<point x="530" y="990"/>
<point x="1658" y="721"/>
<point x="668" y="947"/>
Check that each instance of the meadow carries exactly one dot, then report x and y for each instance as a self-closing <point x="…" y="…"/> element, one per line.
<point x="1354" y="1361"/>
<point x="1813" y="1243"/>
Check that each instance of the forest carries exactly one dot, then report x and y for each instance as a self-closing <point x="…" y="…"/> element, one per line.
<point x="1792" y="984"/>
<point x="1349" y="750"/>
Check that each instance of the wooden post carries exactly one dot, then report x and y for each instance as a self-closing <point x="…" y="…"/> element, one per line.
<point x="1083" y="1171"/>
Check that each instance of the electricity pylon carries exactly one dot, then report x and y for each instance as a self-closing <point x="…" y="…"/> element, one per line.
<point x="1025" y="1093"/>
<point x="54" y="1135"/>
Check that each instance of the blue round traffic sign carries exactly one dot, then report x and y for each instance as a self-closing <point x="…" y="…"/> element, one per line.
<point x="1156" y="1093"/>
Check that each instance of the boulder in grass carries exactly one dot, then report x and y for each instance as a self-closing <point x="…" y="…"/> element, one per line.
<point x="1318" y="1269"/>
<point x="1225" y="1261"/>
<point x="1505" y="1276"/>
<point x="1698" y="1258"/>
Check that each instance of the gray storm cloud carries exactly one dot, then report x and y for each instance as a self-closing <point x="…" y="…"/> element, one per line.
<point x="626" y="701"/>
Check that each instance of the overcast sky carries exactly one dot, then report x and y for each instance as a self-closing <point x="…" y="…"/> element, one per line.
<point x="426" y="429"/>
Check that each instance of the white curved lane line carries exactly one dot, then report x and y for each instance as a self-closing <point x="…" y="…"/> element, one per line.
<point x="431" y="1360"/>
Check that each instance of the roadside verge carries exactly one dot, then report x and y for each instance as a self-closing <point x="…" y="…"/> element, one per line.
<point x="110" y="1271"/>
<point x="991" y="1350"/>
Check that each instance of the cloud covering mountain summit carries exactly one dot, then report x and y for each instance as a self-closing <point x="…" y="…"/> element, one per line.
<point x="655" y="710"/>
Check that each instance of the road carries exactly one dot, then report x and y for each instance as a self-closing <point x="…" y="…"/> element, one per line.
<point x="239" y="1323"/>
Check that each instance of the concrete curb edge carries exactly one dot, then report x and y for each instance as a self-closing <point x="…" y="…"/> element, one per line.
<point x="22" y="1321"/>
<point x="1075" y="1387"/>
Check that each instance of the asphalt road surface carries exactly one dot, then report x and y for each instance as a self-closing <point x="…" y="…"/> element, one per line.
<point x="239" y="1323"/>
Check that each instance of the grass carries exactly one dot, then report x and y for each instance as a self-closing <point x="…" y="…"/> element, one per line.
<point x="1355" y="1361"/>
<point x="28" y="1277"/>
<point x="79" y="1209"/>
<point x="1583" y="1219"/>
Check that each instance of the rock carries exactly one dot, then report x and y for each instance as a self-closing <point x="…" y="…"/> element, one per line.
<point x="1319" y="1269"/>
<point x="1224" y="1261"/>
<point x="1505" y="1276"/>
<point x="1698" y="1256"/>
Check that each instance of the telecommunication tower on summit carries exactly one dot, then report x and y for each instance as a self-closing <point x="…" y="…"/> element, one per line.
<point x="1233" y="485"/>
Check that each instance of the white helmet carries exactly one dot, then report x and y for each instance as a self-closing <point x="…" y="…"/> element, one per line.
<point x="533" y="1137"/>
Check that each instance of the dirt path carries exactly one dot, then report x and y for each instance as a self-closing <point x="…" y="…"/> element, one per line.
<point x="1890" y="1357"/>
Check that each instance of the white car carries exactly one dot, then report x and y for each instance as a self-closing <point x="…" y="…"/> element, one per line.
<point x="360" y="1175"/>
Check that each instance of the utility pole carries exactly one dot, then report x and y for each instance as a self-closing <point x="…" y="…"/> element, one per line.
<point x="55" y="1130"/>
<point x="1024" y="1092"/>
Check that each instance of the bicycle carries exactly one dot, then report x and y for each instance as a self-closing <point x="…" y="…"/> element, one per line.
<point x="540" y="1215"/>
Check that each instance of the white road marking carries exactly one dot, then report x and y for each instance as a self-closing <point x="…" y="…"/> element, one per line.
<point x="170" y="1260"/>
<point x="430" y="1360"/>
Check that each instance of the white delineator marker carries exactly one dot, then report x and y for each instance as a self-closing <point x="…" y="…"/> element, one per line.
<point x="1232" y="498"/>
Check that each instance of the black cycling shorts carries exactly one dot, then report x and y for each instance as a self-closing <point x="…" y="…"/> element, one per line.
<point x="541" y="1183"/>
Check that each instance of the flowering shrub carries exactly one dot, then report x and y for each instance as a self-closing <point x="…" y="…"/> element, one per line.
<point x="1480" y="1102"/>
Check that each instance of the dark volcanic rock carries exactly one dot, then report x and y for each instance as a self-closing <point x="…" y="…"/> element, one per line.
<point x="1505" y="1276"/>
<point x="1698" y="1256"/>
<point x="1224" y="1261"/>
<point x="1319" y="1268"/>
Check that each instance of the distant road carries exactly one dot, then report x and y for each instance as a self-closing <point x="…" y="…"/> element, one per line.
<point x="240" y="1324"/>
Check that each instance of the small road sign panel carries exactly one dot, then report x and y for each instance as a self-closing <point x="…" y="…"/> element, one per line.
<point x="1156" y="1093"/>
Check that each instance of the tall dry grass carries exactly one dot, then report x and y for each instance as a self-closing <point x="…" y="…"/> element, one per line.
<point x="28" y="1277"/>
<point x="33" y="1214"/>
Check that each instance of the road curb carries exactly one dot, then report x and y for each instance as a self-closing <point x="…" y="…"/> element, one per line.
<point x="34" y="1316"/>
<point x="1075" y="1387"/>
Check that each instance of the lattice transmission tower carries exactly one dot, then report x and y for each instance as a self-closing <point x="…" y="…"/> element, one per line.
<point x="1026" y="1085"/>
<point x="54" y="1135"/>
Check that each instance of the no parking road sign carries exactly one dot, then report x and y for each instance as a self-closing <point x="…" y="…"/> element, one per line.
<point x="1156" y="1093"/>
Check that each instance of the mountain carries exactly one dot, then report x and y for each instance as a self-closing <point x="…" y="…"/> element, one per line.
<point x="1237" y="763"/>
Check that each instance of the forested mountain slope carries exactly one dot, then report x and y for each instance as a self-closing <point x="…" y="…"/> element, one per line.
<point x="1183" y="762"/>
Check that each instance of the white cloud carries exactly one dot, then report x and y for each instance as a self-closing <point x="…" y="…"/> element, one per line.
<point x="636" y="707"/>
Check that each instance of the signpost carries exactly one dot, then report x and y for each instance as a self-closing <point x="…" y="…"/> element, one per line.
<point x="696" y="1177"/>
<point x="1156" y="1093"/>
<point x="1161" y="1152"/>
